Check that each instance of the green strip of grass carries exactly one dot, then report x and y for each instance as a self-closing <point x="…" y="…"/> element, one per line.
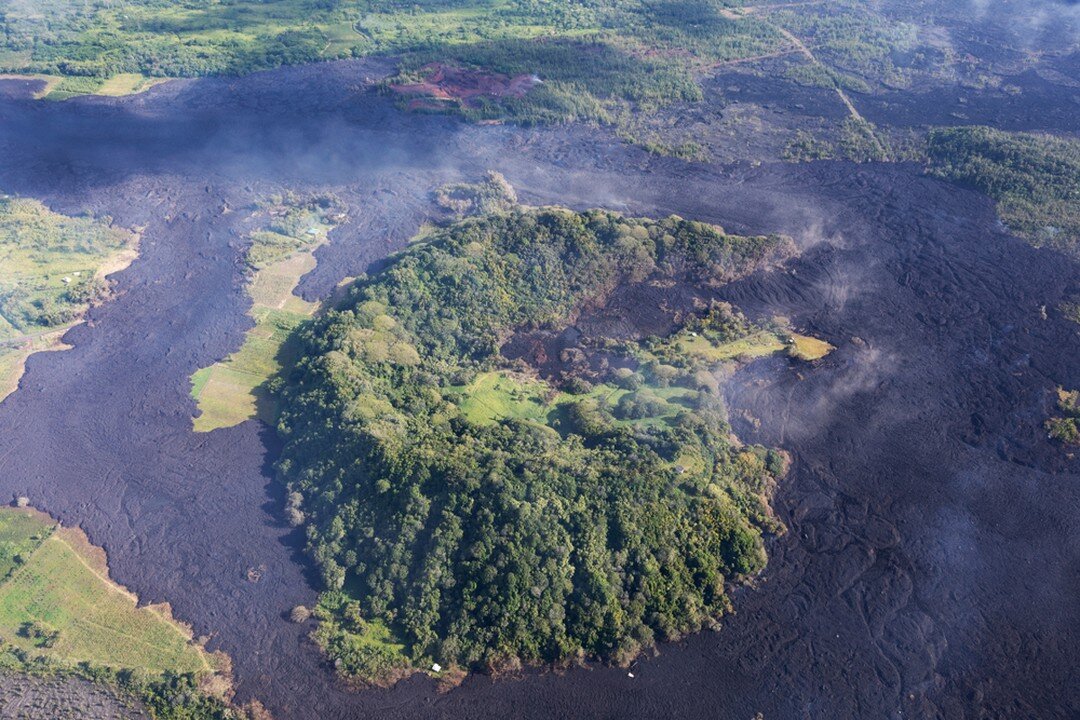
<point x="56" y="601"/>
<point x="233" y="390"/>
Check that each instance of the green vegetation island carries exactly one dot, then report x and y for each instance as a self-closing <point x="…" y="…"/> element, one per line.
<point x="1034" y="178"/>
<point x="52" y="269"/>
<point x="468" y="510"/>
<point x="61" y="615"/>
<point x="1065" y="428"/>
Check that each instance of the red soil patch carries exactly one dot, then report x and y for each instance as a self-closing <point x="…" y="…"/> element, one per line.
<point x="446" y="83"/>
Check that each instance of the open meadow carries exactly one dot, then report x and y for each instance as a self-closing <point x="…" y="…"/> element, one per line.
<point x="57" y="602"/>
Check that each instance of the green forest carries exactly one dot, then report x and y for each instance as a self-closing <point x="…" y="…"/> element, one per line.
<point x="1065" y="428"/>
<point x="1035" y="179"/>
<point x="589" y="55"/>
<point x="464" y="511"/>
<point x="49" y="263"/>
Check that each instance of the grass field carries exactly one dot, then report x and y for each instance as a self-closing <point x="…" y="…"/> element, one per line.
<point x="497" y="395"/>
<point x="56" y="600"/>
<point x="52" y="269"/>
<point x="20" y="534"/>
<point x="493" y="396"/>
<point x="60" y="87"/>
<point x="233" y="390"/>
<point x="808" y="348"/>
<point x="758" y="344"/>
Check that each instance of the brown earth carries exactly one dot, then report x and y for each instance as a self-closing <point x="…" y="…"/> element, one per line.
<point x="442" y="83"/>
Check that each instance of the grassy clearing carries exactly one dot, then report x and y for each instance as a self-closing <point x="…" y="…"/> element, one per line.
<point x="808" y="348"/>
<point x="343" y="632"/>
<point x="57" y="601"/>
<point x="61" y="87"/>
<point x="52" y="269"/>
<point x="20" y="534"/>
<point x="233" y="390"/>
<point x="758" y="344"/>
<point x="499" y="395"/>
<point x="127" y="84"/>
<point x="494" y="396"/>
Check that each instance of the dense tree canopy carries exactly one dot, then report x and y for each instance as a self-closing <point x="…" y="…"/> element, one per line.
<point x="1035" y="179"/>
<point x="583" y="533"/>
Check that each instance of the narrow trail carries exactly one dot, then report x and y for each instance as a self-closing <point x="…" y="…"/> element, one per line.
<point x="803" y="49"/>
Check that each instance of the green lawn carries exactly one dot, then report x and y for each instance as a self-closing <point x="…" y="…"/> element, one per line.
<point x="56" y="600"/>
<point x="493" y="396"/>
<point x="20" y="534"/>
<point x="497" y="395"/>
<point x="808" y="348"/>
<point x="758" y="344"/>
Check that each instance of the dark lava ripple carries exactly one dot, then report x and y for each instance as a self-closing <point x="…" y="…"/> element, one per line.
<point x="931" y="568"/>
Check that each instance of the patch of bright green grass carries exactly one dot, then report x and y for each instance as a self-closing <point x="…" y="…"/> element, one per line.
<point x="69" y="87"/>
<point x="494" y="396"/>
<point x="368" y="645"/>
<point x="499" y="395"/>
<point x="808" y="348"/>
<point x="58" y="602"/>
<point x="60" y="87"/>
<point x="757" y="344"/>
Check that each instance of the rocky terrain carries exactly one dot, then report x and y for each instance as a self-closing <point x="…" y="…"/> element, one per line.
<point x="931" y="541"/>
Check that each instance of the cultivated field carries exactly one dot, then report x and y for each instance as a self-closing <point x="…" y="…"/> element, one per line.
<point x="57" y="601"/>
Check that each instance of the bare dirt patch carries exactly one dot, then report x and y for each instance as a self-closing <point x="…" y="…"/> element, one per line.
<point x="443" y="83"/>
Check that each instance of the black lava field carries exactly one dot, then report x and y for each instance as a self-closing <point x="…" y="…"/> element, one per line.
<point x="932" y="563"/>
